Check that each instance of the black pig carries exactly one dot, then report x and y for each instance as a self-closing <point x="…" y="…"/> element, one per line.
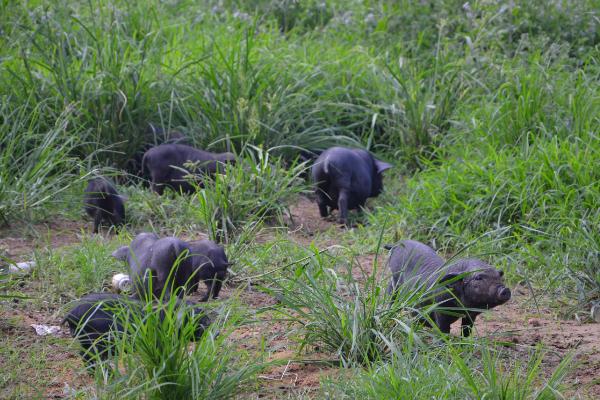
<point x="210" y="264"/>
<point x="103" y="203"/>
<point x="152" y="136"/>
<point x="165" y="164"/>
<point x="479" y="285"/>
<point x="97" y="320"/>
<point x="345" y="178"/>
<point x="148" y="256"/>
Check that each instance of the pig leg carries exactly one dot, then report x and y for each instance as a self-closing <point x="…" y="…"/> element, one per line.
<point x="158" y="189"/>
<point x="205" y="297"/>
<point x="322" y="203"/>
<point x="213" y="287"/>
<point x="343" y="207"/>
<point x="443" y="322"/>
<point x="89" y="360"/>
<point x="467" y="324"/>
<point x="217" y="288"/>
<point x="156" y="282"/>
<point x="115" y="221"/>
<point x="97" y="219"/>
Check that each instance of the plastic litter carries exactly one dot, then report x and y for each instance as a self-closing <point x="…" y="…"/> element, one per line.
<point x="121" y="283"/>
<point x="21" y="267"/>
<point x="44" y="330"/>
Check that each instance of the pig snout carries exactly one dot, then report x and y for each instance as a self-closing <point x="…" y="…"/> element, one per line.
<point x="503" y="294"/>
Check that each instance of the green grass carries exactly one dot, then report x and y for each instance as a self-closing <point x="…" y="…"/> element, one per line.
<point x="155" y="360"/>
<point x="256" y="190"/>
<point x="36" y="162"/>
<point x="70" y="273"/>
<point x="454" y="372"/>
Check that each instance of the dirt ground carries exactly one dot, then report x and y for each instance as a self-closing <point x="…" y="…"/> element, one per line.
<point x="519" y="323"/>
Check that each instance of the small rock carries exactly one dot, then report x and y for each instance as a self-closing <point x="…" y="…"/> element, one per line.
<point x="68" y="391"/>
<point x="522" y="290"/>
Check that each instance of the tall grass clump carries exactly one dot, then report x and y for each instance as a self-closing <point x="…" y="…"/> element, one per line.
<point x="553" y="184"/>
<point x="256" y="189"/>
<point x="342" y="309"/>
<point x="36" y="164"/>
<point x="424" y="104"/>
<point x="253" y="90"/>
<point x="100" y="57"/>
<point x="151" y="357"/>
<point x="455" y="372"/>
<point x="582" y="266"/>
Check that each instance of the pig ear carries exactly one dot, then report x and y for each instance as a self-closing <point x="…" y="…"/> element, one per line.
<point x="121" y="253"/>
<point x="452" y="281"/>
<point x="382" y="166"/>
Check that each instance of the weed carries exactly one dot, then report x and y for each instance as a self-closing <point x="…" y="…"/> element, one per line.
<point x="247" y="194"/>
<point x="347" y="315"/>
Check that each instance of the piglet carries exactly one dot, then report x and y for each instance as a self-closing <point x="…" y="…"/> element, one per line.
<point x="152" y="258"/>
<point x="152" y="136"/>
<point x="98" y="320"/>
<point x="166" y="165"/>
<point x="103" y="203"/>
<point x="209" y="263"/>
<point x="345" y="178"/>
<point x="473" y="283"/>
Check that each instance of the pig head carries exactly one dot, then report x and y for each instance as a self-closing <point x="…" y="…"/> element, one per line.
<point x="209" y="265"/>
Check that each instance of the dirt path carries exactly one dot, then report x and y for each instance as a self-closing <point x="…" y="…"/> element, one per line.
<point x="518" y="323"/>
<point x="18" y="242"/>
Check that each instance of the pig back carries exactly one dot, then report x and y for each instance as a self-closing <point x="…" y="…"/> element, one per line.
<point x="339" y="168"/>
<point x="140" y="252"/>
<point x="415" y="262"/>
<point x="466" y="265"/>
<point x="100" y="194"/>
<point x="95" y="314"/>
<point x="166" y="252"/>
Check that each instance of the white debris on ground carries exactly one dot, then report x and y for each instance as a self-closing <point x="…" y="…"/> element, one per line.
<point x="121" y="283"/>
<point x="43" y="330"/>
<point x="21" y="267"/>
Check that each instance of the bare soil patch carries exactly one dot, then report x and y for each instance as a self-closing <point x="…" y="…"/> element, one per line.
<point x="520" y="323"/>
<point x="18" y="242"/>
